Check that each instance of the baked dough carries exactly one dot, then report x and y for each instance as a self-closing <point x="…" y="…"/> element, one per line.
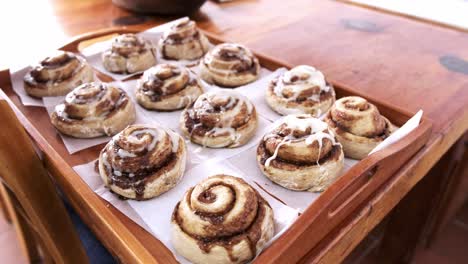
<point x="229" y="65"/>
<point x="301" y="154"/>
<point x="129" y="53"/>
<point x="183" y="41"/>
<point x="358" y="126"/>
<point x="220" y="119"/>
<point x="221" y="220"/>
<point x="301" y="90"/>
<point x="57" y="75"/>
<point x="167" y="87"/>
<point x="93" y="110"/>
<point x="143" y="161"/>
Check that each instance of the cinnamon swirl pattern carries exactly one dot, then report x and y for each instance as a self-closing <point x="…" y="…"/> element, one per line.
<point x="129" y="53"/>
<point x="301" y="154"/>
<point x="229" y="65"/>
<point x="167" y="87"/>
<point x="219" y="119"/>
<point x="221" y="220"/>
<point x="183" y="41"/>
<point x="93" y="110"/>
<point x="301" y="90"/>
<point x="358" y="125"/>
<point x="142" y="162"/>
<point x="57" y="75"/>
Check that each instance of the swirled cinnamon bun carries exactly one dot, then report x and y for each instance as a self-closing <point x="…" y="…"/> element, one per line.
<point x="219" y="119"/>
<point x="301" y="154"/>
<point x="183" y="41"/>
<point x="301" y="90"/>
<point x="57" y="75"/>
<point x="221" y="220"/>
<point x="229" y="65"/>
<point x="142" y="162"/>
<point x="129" y="53"/>
<point x="93" y="110"/>
<point x="358" y="125"/>
<point x="167" y="87"/>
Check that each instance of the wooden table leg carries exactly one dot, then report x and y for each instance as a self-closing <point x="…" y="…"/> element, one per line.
<point x="423" y="211"/>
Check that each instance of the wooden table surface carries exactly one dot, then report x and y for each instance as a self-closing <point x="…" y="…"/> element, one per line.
<point x="410" y="64"/>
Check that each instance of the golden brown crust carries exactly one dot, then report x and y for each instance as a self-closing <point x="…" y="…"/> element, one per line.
<point x="183" y="41"/>
<point x="300" y="154"/>
<point x="220" y="119"/>
<point x="57" y="75"/>
<point x="358" y="125"/>
<point x="167" y="87"/>
<point x="229" y="65"/>
<point x="142" y="162"/>
<point x="301" y="90"/>
<point x="129" y="53"/>
<point x="221" y="219"/>
<point x="93" y="110"/>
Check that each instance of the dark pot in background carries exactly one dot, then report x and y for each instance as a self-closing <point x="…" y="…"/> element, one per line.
<point x="162" y="7"/>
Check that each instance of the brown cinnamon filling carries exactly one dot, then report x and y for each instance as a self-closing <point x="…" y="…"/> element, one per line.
<point x="279" y="163"/>
<point x="121" y="101"/>
<point x="350" y="104"/>
<point x="153" y="87"/>
<point x="38" y="75"/>
<point x="59" y="60"/>
<point x="200" y="126"/>
<point x="341" y="130"/>
<point x="147" y="173"/>
<point x="303" y="97"/>
<point x="128" y="44"/>
<point x="252" y="234"/>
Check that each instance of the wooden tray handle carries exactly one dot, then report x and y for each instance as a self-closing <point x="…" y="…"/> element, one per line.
<point x="344" y="197"/>
<point x="375" y="169"/>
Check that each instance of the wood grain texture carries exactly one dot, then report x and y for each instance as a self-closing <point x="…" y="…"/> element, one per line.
<point x="35" y="205"/>
<point x="405" y="63"/>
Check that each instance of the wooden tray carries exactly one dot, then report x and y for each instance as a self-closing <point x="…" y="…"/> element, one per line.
<point x="130" y="242"/>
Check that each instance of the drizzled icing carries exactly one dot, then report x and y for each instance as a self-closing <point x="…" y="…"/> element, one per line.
<point x="183" y="31"/>
<point x="298" y="81"/>
<point x="86" y="93"/>
<point x="227" y="106"/>
<point x="230" y="52"/>
<point x="138" y="138"/>
<point x="128" y="44"/>
<point x="91" y="101"/>
<point x="314" y="129"/>
<point x="164" y="79"/>
<point x="183" y="41"/>
<point x="55" y="69"/>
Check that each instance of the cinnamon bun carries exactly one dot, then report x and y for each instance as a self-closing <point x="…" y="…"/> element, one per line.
<point x="93" y="110"/>
<point x="358" y="125"/>
<point x="57" y="75"/>
<point x="219" y="119"/>
<point x="183" y="41"/>
<point x="301" y="154"/>
<point x="301" y="90"/>
<point x="167" y="87"/>
<point x="221" y="220"/>
<point x="129" y="53"/>
<point x="142" y="162"/>
<point x="229" y="65"/>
